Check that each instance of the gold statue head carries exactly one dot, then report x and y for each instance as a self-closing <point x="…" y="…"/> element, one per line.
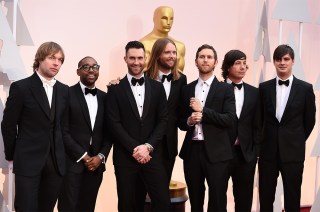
<point x="163" y="19"/>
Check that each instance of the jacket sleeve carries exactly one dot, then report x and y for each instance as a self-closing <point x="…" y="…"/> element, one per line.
<point x="10" y="121"/>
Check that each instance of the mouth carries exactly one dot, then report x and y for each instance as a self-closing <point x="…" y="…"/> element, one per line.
<point x="91" y="76"/>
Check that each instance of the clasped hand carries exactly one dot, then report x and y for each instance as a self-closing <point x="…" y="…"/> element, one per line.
<point x="92" y="163"/>
<point x="195" y="116"/>
<point x="141" y="154"/>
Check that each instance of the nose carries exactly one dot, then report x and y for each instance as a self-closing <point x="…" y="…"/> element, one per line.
<point x="136" y="61"/>
<point x="57" y="62"/>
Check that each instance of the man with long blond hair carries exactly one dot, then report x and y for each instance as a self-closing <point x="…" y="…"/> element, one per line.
<point x="163" y="67"/>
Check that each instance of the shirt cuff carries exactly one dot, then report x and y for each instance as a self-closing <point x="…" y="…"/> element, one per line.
<point x="149" y="147"/>
<point x="102" y="158"/>
<point x="82" y="157"/>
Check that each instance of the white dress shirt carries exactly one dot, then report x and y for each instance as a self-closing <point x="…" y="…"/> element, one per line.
<point x="48" y="87"/>
<point x="201" y="92"/>
<point x="166" y="84"/>
<point x="282" y="97"/>
<point x="138" y="93"/>
<point x="92" y="104"/>
<point x="239" y="96"/>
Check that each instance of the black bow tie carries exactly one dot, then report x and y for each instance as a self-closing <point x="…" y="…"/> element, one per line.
<point x="134" y="81"/>
<point x="92" y="91"/>
<point x="239" y="86"/>
<point x="281" y="82"/>
<point x="168" y="77"/>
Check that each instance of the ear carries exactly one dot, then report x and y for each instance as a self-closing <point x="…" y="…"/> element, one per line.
<point x="78" y="72"/>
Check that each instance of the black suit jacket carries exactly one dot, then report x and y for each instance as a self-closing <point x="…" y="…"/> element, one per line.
<point x="26" y="126"/>
<point x="218" y="115"/>
<point x="171" y="136"/>
<point x="246" y="128"/>
<point x="288" y="136"/>
<point x="128" y="129"/>
<point x="77" y="129"/>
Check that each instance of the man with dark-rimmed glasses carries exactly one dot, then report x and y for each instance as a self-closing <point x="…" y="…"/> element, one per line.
<point x="85" y="139"/>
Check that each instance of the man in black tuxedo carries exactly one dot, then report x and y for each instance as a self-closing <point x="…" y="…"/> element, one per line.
<point x="287" y="109"/>
<point x="208" y="111"/>
<point x="31" y="129"/>
<point x="244" y="136"/>
<point x="85" y="138"/>
<point x="137" y="115"/>
<point x="163" y="66"/>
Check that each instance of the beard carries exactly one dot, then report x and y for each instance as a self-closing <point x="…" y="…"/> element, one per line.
<point x="166" y="65"/>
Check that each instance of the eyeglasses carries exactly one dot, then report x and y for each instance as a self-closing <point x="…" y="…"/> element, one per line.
<point x="87" y="68"/>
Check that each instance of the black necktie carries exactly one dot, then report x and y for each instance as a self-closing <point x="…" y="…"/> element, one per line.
<point x="168" y="77"/>
<point x="134" y="81"/>
<point x="286" y="82"/>
<point x="239" y="86"/>
<point x="92" y="91"/>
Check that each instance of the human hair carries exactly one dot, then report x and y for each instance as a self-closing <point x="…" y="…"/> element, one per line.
<point x="206" y="46"/>
<point x="282" y="50"/>
<point x="134" y="45"/>
<point x="46" y="49"/>
<point x="80" y="63"/>
<point x="152" y="69"/>
<point x="229" y="58"/>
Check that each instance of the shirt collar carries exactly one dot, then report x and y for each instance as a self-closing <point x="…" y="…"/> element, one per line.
<point x="83" y="86"/>
<point x="129" y="77"/>
<point x="44" y="79"/>
<point x="208" y="81"/>
<point x="229" y="81"/>
<point x="289" y="78"/>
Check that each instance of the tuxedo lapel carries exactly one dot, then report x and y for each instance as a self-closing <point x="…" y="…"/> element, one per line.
<point x="246" y="100"/>
<point x="273" y="94"/>
<point x="192" y="92"/>
<point x="40" y="94"/>
<point x="293" y="92"/>
<point x="126" y="86"/>
<point x="173" y="87"/>
<point x="212" y="89"/>
<point x="100" y="108"/>
<point x="147" y="98"/>
<point x="83" y="104"/>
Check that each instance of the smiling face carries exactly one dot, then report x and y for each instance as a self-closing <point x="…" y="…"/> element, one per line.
<point x="88" y="77"/>
<point x="168" y="58"/>
<point x="50" y="66"/>
<point x="135" y="59"/>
